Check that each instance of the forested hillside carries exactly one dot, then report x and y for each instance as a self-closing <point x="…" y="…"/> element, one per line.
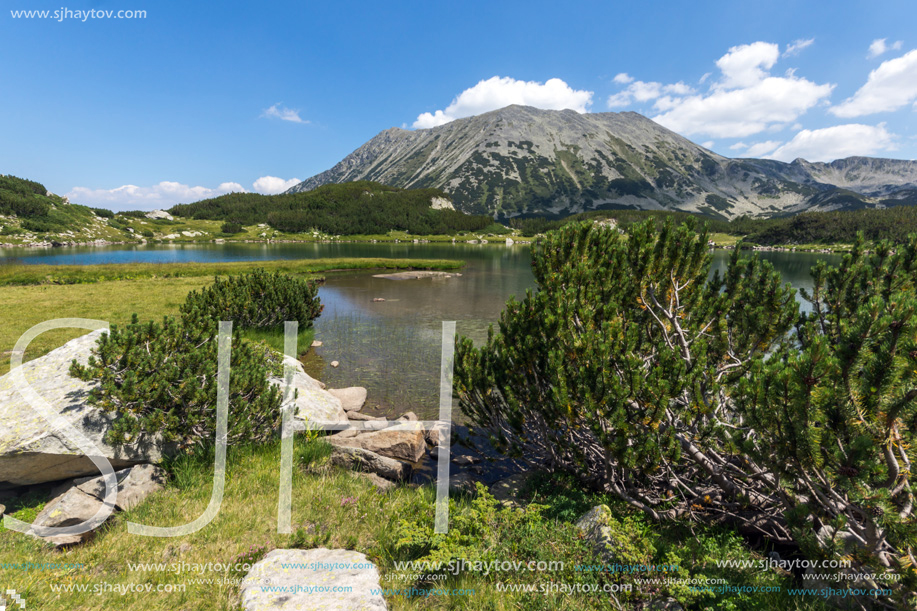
<point x="342" y="209"/>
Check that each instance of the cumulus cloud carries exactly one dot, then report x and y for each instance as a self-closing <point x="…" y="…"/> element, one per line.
<point x="623" y="78"/>
<point x="744" y="100"/>
<point x="879" y="47"/>
<point x="640" y="91"/>
<point x="891" y="86"/>
<point x="163" y="195"/>
<point x="271" y="185"/>
<point x="167" y="193"/>
<point x="497" y="92"/>
<point x="760" y="149"/>
<point x="836" y="142"/>
<point x="797" y="46"/>
<point x="279" y="111"/>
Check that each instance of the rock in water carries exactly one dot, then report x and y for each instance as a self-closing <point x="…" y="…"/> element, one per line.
<point x="271" y="584"/>
<point x="352" y="398"/>
<point x="32" y="451"/>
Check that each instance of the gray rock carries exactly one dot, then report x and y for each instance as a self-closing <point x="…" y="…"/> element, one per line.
<point x="159" y="214"/>
<point x="363" y="417"/>
<point x="507" y="490"/>
<point x="79" y="500"/>
<point x="312" y="590"/>
<point x="313" y="404"/>
<point x="352" y="399"/>
<point x="69" y="509"/>
<point x="463" y="483"/>
<point x="134" y="485"/>
<point x="464" y="460"/>
<point x="402" y="445"/>
<point x="381" y="484"/>
<point x="595" y="524"/>
<point x="32" y="452"/>
<point x="364" y="460"/>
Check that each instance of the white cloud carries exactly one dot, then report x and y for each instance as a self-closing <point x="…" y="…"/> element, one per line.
<point x="879" y="46"/>
<point x="760" y="149"/>
<point x="639" y="91"/>
<point x="270" y="185"/>
<point x="891" y="86"/>
<point x="708" y="144"/>
<point x="166" y="194"/>
<point x="836" y="142"/>
<point x="279" y="111"/>
<point x="623" y="78"/>
<point x="796" y="47"/>
<point x="746" y="65"/>
<point x="497" y="92"/>
<point x="163" y="195"/>
<point x="737" y="113"/>
<point x="745" y="99"/>
<point x="738" y="146"/>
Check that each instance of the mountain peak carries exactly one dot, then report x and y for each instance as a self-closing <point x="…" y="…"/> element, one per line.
<point x="520" y="160"/>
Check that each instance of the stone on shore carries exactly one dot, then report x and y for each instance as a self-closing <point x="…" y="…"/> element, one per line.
<point x="302" y="589"/>
<point x="402" y="445"/>
<point x="352" y="398"/>
<point x="80" y="499"/>
<point x="313" y="404"/>
<point x="363" y="460"/>
<point x="32" y="451"/>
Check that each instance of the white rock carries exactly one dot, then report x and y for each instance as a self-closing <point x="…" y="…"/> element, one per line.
<point x="32" y="451"/>
<point x="313" y="404"/>
<point x="308" y="589"/>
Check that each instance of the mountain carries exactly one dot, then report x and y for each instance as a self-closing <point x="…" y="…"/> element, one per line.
<point x="524" y="161"/>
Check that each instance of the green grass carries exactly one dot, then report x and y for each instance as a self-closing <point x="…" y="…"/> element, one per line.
<point x="335" y="509"/>
<point x="19" y="275"/>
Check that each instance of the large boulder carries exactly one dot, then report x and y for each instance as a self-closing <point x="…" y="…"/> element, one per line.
<point x="313" y="404"/>
<point x="402" y="445"/>
<point x="303" y="580"/>
<point x="32" y="451"/>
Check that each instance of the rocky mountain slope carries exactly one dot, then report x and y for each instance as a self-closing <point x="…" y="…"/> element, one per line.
<point x="524" y="161"/>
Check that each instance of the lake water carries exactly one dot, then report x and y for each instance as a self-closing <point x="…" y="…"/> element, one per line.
<point x="391" y="347"/>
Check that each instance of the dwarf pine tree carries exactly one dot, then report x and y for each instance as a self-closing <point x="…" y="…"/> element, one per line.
<point x="162" y="377"/>
<point x="618" y="368"/>
<point x="834" y="416"/>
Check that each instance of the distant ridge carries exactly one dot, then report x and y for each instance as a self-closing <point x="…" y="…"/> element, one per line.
<point x="525" y="161"/>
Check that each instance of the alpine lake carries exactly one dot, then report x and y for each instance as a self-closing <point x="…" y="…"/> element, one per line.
<point x="387" y="334"/>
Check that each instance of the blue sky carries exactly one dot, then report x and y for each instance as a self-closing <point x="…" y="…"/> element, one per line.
<point x="200" y="98"/>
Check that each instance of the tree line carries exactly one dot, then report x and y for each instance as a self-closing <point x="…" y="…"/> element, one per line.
<point x="362" y="207"/>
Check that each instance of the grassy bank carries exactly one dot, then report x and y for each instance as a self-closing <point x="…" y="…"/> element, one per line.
<point x="21" y="275"/>
<point x="336" y="509"/>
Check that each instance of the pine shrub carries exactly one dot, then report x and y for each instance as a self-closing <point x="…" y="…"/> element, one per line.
<point x="259" y="300"/>
<point x="162" y="377"/>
